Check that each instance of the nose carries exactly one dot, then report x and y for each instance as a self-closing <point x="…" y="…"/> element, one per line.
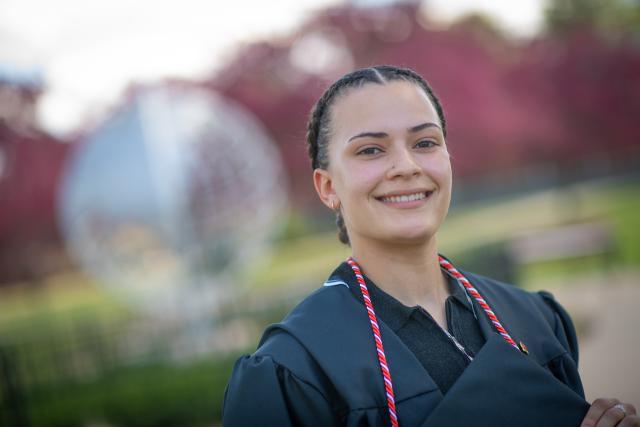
<point x="403" y="164"/>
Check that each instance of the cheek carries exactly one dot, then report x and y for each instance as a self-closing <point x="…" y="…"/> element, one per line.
<point x="362" y="177"/>
<point x="445" y="172"/>
<point x="440" y="169"/>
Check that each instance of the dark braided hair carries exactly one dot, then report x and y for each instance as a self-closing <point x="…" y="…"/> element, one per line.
<point x="319" y="126"/>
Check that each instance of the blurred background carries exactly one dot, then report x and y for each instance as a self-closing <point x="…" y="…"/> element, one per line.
<point x="156" y="206"/>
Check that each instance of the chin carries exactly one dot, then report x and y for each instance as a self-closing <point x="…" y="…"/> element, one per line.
<point x="412" y="236"/>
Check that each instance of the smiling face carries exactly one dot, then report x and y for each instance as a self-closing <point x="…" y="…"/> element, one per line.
<point x="388" y="164"/>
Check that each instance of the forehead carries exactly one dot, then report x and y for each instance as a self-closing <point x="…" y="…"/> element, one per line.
<point x="396" y="105"/>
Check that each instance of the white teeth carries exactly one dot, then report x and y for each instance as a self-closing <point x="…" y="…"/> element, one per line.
<point x="405" y="198"/>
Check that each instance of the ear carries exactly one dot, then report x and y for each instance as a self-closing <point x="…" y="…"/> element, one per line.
<point x="323" y="183"/>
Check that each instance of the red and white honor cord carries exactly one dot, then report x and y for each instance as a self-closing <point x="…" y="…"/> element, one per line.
<point x="481" y="301"/>
<point x="373" y="320"/>
<point x="382" y="359"/>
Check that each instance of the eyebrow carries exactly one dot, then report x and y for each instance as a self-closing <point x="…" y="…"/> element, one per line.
<point x="412" y="129"/>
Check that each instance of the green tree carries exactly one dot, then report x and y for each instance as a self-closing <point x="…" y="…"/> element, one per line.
<point x="611" y="17"/>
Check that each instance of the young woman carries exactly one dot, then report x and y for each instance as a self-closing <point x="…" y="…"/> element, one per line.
<point x="397" y="335"/>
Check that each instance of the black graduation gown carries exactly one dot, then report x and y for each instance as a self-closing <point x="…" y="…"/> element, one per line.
<point x="319" y="367"/>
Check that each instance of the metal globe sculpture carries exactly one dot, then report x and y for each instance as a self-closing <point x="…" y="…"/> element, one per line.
<point x="167" y="197"/>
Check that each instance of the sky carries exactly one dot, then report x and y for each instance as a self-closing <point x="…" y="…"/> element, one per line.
<point x="88" y="52"/>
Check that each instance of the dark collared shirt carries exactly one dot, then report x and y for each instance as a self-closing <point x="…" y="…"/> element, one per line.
<point x="421" y="333"/>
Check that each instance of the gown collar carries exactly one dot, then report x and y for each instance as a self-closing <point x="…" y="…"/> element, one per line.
<point x="396" y="313"/>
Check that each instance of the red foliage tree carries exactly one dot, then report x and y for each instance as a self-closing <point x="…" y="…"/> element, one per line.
<point x="508" y="105"/>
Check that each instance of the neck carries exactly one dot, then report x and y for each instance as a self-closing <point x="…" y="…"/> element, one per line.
<point x="409" y="273"/>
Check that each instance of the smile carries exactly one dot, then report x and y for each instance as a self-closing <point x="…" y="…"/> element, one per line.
<point x="405" y="198"/>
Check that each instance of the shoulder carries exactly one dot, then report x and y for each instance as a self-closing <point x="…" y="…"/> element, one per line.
<point x="309" y="357"/>
<point x="315" y="316"/>
<point x="304" y="342"/>
<point x="282" y="383"/>
<point x="502" y="289"/>
<point x="538" y="311"/>
<point x="318" y="342"/>
<point x="540" y="303"/>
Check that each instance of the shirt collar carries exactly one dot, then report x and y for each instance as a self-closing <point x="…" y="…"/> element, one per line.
<point x="394" y="312"/>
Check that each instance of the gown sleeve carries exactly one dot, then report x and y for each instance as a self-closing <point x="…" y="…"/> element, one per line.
<point x="565" y="368"/>
<point x="263" y="392"/>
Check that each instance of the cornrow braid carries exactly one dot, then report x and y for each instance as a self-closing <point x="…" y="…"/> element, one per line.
<point x="319" y="126"/>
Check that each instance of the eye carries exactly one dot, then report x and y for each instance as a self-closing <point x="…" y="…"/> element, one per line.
<point x="426" y="143"/>
<point x="369" y="151"/>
